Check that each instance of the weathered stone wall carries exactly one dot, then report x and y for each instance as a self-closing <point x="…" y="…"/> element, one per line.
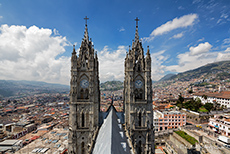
<point x="196" y="118"/>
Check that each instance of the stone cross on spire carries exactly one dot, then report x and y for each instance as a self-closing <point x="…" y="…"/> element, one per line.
<point x="86" y="20"/>
<point x="137" y="21"/>
<point x="136" y="34"/>
<point x="86" y="35"/>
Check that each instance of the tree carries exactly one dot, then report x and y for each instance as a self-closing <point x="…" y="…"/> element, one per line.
<point x="190" y="91"/>
<point x="205" y="97"/>
<point x="189" y="105"/>
<point x="180" y="101"/>
<point x="197" y="104"/>
<point x="209" y="106"/>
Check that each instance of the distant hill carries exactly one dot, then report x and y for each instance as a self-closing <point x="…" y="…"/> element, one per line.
<point x="10" y="88"/>
<point x="166" y="77"/>
<point x="112" y="85"/>
<point x="221" y="70"/>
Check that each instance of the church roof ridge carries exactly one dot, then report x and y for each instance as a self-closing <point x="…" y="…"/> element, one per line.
<point x="111" y="137"/>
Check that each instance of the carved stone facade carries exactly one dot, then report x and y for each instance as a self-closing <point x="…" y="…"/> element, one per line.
<point x="138" y="98"/>
<point x="84" y="98"/>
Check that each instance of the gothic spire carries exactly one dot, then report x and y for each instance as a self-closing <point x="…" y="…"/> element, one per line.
<point x="148" y="54"/>
<point x="86" y="35"/>
<point x="74" y="52"/>
<point x="136" y="33"/>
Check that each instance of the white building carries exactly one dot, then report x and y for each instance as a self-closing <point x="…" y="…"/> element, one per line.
<point x="220" y="124"/>
<point x="222" y="98"/>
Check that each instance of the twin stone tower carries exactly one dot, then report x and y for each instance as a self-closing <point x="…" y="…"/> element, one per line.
<point x="85" y="118"/>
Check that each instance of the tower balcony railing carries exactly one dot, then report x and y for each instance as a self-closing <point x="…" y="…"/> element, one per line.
<point x="80" y="129"/>
<point x="82" y="100"/>
<point x="140" y="101"/>
<point x="140" y="128"/>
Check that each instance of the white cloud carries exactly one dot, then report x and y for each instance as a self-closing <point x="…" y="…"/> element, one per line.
<point x="1" y="17"/>
<point x="219" y="21"/>
<point x="223" y="56"/>
<point x="188" y="61"/>
<point x="180" y="8"/>
<point x="225" y="16"/>
<point x="196" y="1"/>
<point x="32" y="54"/>
<point x="228" y="49"/>
<point x="226" y="41"/>
<point x="212" y="18"/>
<point x="182" y="22"/>
<point x="197" y="57"/>
<point x="56" y="32"/>
<point x="201" y="48"/>
<point x="179" y="35"/>
<point x="158" y="69"/>
<point x="111" y="63"/>
<point x="200" y="40"/>
<point x="121" y="29"/>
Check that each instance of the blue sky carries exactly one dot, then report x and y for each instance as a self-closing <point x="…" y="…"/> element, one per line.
<point x="36" y="37"/>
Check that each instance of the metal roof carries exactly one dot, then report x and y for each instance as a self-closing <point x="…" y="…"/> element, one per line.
<point x="111" y="138"/>
<point x="10" y="142"/>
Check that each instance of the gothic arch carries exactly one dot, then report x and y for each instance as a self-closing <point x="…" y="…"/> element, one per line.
<point x="86" y="94"/>
<point x="139" y="147"/>
<point x="83" y="92"/>
<point x="82" y="119"/>
<point x="136" y="94"/>
<point x="139" y="119"/>
<point x="82" y="147"/>
<point x="140" y="142"/>
<point x="83" y="76"/>
<point x="141" y="94"/>
<point x="144" y="118"/>
<point x="139" y="77"/>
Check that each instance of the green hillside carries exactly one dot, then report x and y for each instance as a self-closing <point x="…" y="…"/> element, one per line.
<point x="112" y="85"/>
<point x="221" y="70"/>
<point x="10" y="88"/>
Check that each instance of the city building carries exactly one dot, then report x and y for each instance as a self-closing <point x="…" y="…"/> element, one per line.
<point x="220" y="124"/>
<point x="168" y="119"/>
<point x="222" y="98"/>
<point x="10" y="145"/>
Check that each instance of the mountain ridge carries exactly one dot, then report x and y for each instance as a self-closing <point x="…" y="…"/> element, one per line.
<point x="9" y="88"/>
<point x="220" y="69"/>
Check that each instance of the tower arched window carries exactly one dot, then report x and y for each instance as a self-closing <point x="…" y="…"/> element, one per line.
<point x="136" y="94"/>
<point x="139" y="150"/>
<point x="139" y="119"/>
<point x="86" y="94"/>
<point x="83" y="120"/>
<point x="81" y="94"/>
<point x="144" y="119"/>
<point x="138" y="67"/>
<point x="82" y="148"/>
<point x="141" y="94"/>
